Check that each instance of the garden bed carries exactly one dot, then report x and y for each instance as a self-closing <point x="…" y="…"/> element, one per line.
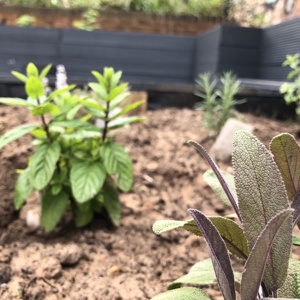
<point x="129" y="262"/>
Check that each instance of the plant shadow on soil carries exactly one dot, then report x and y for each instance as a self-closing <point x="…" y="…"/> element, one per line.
<point x="129" y="262"/>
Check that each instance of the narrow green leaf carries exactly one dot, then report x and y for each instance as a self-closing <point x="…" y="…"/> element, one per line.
<point x="211" y="179"/>
<point x="184" y="293"/>
<point x="45" y="71"/>
<point x="91" y="103"/>
<point x="16" y="133"/>
<point x="118" y="100"/>
<point x="16" y="102"/>
<point x="39" y="133"/>
<point x="53" y="208"/>
<point x="99" y="90"/>
<point x="117" y="91"/>
<point x="20" y="76"/>
<point x="127" y="109"/>
<point x="43" y="164"/>
<point x="23" y="189"/>
<point x="291" y="287"/>
<point x="120" y="122"/>
<point x="219" y="254"/>
<point x="76" y="124"/>
<point x="60" y="92"/>
<point x="31" y="70"/>
<point x="261" y="193"/>
<point x="116" y="78"/>
<point x="112" y="204"/>
<point x="256" y="263"/>
<point x="286" y="153"/>
<point x="118" y="163"/>
<point x="34" y="87"/>
<point x="87" y="179"/>
<point x="202" y="273"/>
<point x="231" y="233"/>
<point x="44" y="109"/>
<point x="99" y="77"/>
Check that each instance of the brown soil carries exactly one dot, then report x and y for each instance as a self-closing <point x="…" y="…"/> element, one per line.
<point x="129" y="262"/>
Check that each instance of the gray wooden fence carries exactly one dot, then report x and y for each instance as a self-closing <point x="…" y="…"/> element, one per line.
<point x="152" y="61"/>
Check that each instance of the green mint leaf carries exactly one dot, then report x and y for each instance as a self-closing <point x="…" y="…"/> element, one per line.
<point x="112" y="204"/>
<point x="118" y="163"/>
<point x="53" y="208"/>
<point x="44" y="109"/>
<point x="99" y="90"/>
<point x="16" y="102"/>
<point x="16" y="133"/>
<point x="43" y="164"/>
<point x="34" y="87"/>
<point x="120" y="122"/>
<point x="31" y="70"/>
<point x="45" y="71"/>
<point x="20" y="76"/>
<point x="23" y="189"/>
<point x="87" y="179"/>
<point x="127" y="109"/>
<point x="83" y="214"/>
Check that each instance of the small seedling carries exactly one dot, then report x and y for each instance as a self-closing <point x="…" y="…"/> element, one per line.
<point x="218" y="99"/>
<point x="75" y="164"/>
<point x="267" y="208"/>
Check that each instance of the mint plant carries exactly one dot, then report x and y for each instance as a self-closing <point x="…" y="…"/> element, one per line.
<point x="218" y="93"/>
<point x="291" y="90"/>
<point x="75" y="164"/>
<point x="267" y="208"/>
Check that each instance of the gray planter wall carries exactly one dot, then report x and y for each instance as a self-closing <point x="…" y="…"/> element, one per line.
<point x="277" y="42"/>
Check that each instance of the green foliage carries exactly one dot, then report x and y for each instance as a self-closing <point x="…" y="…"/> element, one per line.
<point x="76" y="164"/>
<point x="89" y="20"/>
<point x="266" y="200"/>
<point x="291" y="90"/>
<point x="218" y="98"/>
<point x="25" y="21"/>
<point x="214" y="8"/>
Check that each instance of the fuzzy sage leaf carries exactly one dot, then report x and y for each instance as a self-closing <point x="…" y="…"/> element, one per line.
<point x="219" y="255"/>
<point x="256" y="263"/>
<point x="261" y="193"/>
<point x="286" y="153"/>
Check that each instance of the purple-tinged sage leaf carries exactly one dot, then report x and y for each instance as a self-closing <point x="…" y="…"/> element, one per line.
<point x="286" y="153"/>
<point x="256" y="263"/>
<point x="296" y="206"/>
<point x="231" y="196"/>
<point x="261" y="193"/>
<point x="219" y="254"/>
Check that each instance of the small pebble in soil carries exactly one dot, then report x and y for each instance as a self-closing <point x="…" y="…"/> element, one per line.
<point x="69" y="254"/>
